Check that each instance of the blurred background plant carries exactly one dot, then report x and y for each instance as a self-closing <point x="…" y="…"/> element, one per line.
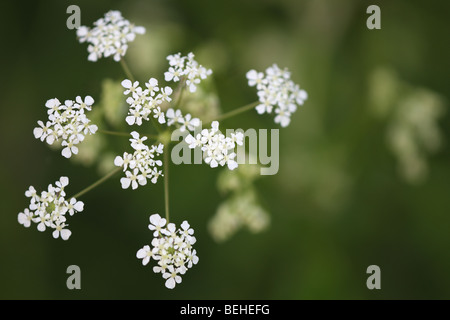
<point x="364" y="165"/>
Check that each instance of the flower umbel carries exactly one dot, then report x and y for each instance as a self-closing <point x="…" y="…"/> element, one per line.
<point x="67" y="122"/>
<point x="140" y="165"/>
<point x="186" y="68"/>
<point x="171" y="248"/>
<point x="277" y="90"/>
<point x="217" y="148"/>
<point x="49" y="209"/>
<point x="143" y="101"/>
<point x="109" y="36"/>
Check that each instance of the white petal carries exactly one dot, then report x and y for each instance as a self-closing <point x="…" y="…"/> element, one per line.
<point x="185" y="225"/>
<point x="64" y="181"/>
<point x="65" y="234"/>
<point x="125" y="182"/>
<point x="130" y="120"/>
<point x="50" y="139"/>
<point x="55" y="234"/>
<point x="170" y="113"/>
<point x="89" y="101"/>
<point x="79" y="206"/>
<point x="232" y="164"/>
<point x="135" y="135"/>
<point x="141" y="254"/>
<point x="170" y="283"/>
<point x="260" y="109"/>
<point x="195" y="122"/>
<point x="66" y="152"/>
<point x="126" y="84"/>
<point x="38" y="132"/>
<point x="118" y="161"/>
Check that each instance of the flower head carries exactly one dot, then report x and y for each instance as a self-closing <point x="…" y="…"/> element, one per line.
<point x="141" y="165"/>
<point x="67" y="122"/>
<point x="49" y="208"/>
<point x="171" y="248"/>
<point x="109" y="36"/>
<point x="276" y="91"/>
<point x="187" y="68"/>
<point x="217" y="148"/>
<point x="142" y="102"/>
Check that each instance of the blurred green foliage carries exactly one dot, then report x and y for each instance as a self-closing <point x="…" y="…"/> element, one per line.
<point x="338" y="203"/>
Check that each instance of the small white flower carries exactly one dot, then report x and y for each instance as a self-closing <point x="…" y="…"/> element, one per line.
<point x="255" y="78"/>
<point x="63" y="182"/>
<point x="137" y="143"/>
<point x="159" y="115"/>
<point x="70" y="148"/>
<point x="60" y="230"/>
<point x="194" y="142"/>
<point x="156" y="224"/>
<point x="25" y="218"/>
<point x="188" y="123"/>
<point x="132" y="178"/>
<point x="130" y="87"/>
<point x="165" y="94"/>
<point x="86" y="104"/>
<point x="283" y="117"/>
<point x="173" y="116"/>
<point x="145" y="254"/>
<point x="152" y="86"/>
<point x="172" y="277"/>
<point x="74" y="206"/>
<point x="43" y="219"/>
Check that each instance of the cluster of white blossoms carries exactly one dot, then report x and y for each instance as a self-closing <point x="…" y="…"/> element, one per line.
<point x="242" y="210"/>
<point x="217" y="148"/>
<point x="277" y="91"/>
<point x="68" y="122"/>
<point x="109" y="36"/>
<point x="185" y="67"/>
<point x="171" y="248"/>
<point x="141" y="165"/>
<point x="145" y="101"/>
<point x="49" y="209"/>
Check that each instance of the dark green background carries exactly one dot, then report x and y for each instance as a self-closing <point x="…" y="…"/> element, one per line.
<point x="317" y="247"/>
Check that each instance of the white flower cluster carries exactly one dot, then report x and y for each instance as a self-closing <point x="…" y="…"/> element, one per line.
<point x="217" y="148"/>
<point x="187" y="68"/>
<point x="49" y="209"/>
<point x="171" y="248"/>
<point x="140" y="165"/>
<point x="143" y="101"/>
<point x="109" y="37"/>
<point x="241" y="210"/>
<point x="277" y="90"/>
<point x="68" y="122"/>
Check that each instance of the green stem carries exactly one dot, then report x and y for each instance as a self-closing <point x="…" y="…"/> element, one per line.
<point x="166" y="181"/>
<point x="97" y="183"/>
<point x="126" y="69"/>
<point x="235" y="112"/>
<point x="181" y="90"/>
<point x="114" y="133"/>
